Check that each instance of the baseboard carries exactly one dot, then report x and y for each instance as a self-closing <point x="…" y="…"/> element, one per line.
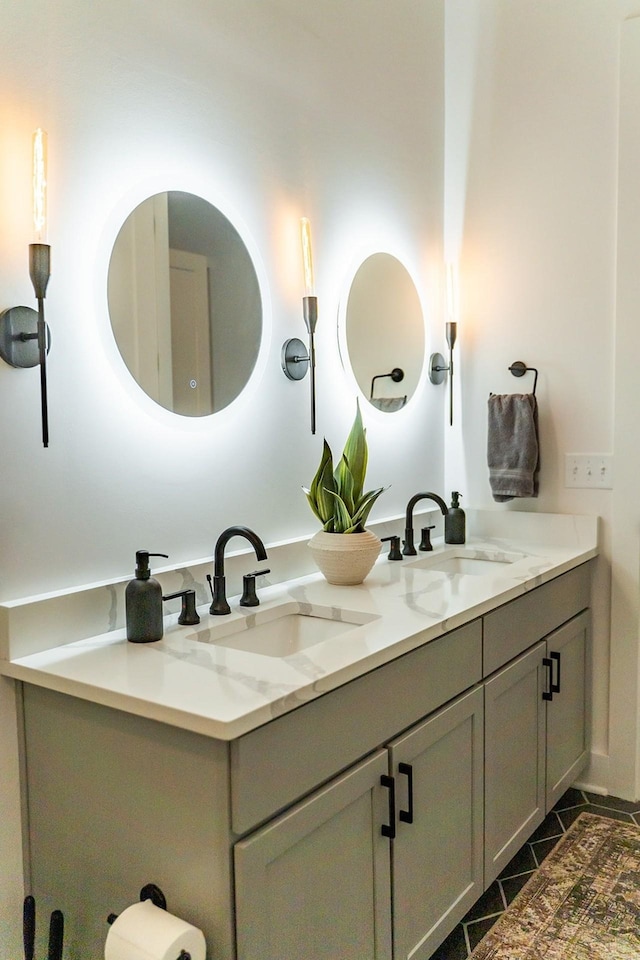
<point x="595" y="777"/>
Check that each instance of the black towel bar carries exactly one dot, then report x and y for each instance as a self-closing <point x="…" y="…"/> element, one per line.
<point x="518" y="369"/>
<point x="397" y="375"/>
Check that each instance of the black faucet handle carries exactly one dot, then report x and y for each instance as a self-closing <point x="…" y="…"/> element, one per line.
<point x="188" y="614"/>
<point x="425" y="542"/>
<point x="249" y="596"/>
<point x="408" y="548"/>
<point x="394" y="549"/>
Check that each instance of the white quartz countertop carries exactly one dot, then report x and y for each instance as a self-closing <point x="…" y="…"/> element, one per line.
<point x="201" y="679"/>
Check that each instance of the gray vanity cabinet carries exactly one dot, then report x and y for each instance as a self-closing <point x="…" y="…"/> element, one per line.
<point x="273" y="843"/>
<point x="315" y="882"/>
<point x="326" y="860"/>
<point x="536" y="723"/>
<point x="437" y="851"/>
<point x="514" y="758"/>
<point x="567" y="738"/>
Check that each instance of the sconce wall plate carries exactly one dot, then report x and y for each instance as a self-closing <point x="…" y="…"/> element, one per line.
<point x="294" y="359"/>
<point x="437" y="368"/>
<point x="19" y="337"/>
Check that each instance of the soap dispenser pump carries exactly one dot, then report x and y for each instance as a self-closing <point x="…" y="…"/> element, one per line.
<point x="454" y="521"/>
<point x="143" y="602"/>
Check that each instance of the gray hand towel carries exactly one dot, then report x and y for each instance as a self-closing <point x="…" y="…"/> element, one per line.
<point x="389" y="404"/>
<point x="512" y="446"/>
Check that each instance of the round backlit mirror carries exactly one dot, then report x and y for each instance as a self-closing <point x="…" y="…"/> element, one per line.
<point x="184" y="303"/>
<point x="382" y="331"/>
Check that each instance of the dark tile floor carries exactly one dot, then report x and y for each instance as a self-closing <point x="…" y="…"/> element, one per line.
<point x="466" y="936"/>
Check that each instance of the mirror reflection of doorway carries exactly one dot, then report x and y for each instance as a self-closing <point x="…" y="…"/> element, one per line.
<point x="193" y="388"/>
<point x="185" y="304"/>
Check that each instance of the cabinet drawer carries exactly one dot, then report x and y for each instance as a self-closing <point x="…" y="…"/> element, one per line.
<point x="510" y="629"/>
<point x="278" y="763"/>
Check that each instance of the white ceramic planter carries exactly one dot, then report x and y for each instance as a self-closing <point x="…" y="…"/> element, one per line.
<point x="345" y="558"/>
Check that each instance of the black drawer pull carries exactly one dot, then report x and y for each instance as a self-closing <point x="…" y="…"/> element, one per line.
<point x="407" y="815"/>
<point x="548" y="694"/>
<point x="555" y="687"/>
<point x="389" y="830"/>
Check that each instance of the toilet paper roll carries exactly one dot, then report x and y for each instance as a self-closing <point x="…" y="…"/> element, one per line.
<point x="145" y="932"/>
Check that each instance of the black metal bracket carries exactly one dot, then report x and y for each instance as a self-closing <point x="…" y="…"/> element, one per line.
<point x="518" y="369"/>
<point x="397" y="375"/>
<point x="152" y="892"/>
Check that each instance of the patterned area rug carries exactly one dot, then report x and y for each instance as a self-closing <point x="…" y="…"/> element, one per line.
<point x="582" y="904"/>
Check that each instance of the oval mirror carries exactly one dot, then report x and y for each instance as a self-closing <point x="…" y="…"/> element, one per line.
<point x="184" y="303"/>
<point x="383" y="332"/>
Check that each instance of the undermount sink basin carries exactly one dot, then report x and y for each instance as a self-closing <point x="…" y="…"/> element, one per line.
<point x="478" y="564"/>
<point x="285" y="630"/>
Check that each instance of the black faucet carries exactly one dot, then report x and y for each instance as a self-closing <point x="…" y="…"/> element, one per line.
<point x="408" y="549"/>
<point x="220" y="607"/>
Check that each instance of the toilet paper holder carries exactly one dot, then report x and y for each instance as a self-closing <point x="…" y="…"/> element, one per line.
<point x="152" y="892"/>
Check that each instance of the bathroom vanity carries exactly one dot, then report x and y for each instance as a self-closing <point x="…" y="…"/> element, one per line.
<point x="349" y="799"/>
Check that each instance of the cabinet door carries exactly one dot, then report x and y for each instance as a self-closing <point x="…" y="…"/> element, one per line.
<point x="567" y="726"/>
<point x="437" y="858"/>
<point x="316" y="881"/>
<point x="514" y="758"/>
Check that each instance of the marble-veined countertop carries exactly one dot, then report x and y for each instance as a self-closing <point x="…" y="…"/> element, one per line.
<point x="198" y="680"/>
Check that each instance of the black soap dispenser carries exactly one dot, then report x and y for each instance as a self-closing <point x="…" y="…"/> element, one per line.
<point x="143" y="602"/>
<point x="454" y="521"/>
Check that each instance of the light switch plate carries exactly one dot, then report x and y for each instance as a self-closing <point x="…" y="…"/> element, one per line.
<point x="588" y="470"/>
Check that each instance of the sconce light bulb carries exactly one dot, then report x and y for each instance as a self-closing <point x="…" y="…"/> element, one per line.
<point x="453" y="292"/>
<point x="40" y="185"/>
<point x="307" y="257"/>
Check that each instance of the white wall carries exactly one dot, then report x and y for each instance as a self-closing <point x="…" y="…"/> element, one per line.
<point x="531" y="204"/>
<point x="624" y="725"/>
<point x="270" y="110"/>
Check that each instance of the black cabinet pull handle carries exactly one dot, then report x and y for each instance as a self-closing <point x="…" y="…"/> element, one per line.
<point x="407" y="815"/>
<point x="555" y="687"/>
<point x="548" y="694"/>
<point x="389" y="830"/>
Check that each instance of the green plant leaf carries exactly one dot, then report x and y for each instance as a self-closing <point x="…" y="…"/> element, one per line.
<point x="326" y="488"/>
<point x="342" y="522"/>
<point x="345" y="484"/>
<point x="312" y="504"/>
<point x="363" y="507"/>
<point x="320" y="503"/>
<point x="356" y="454"/>
<point x="326" y="456"/>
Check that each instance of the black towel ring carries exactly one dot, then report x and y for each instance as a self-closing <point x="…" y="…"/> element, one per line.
<point x="518" y="369"/>
<point x="397" y="375"/>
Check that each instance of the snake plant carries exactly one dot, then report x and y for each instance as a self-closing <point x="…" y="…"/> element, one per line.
<point x="337" y="497"/>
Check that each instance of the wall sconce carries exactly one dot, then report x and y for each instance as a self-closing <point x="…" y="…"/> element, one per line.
<point x="24" y="336"/>
<point x="437" y="367"/>
<point x="295" y="357"/>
